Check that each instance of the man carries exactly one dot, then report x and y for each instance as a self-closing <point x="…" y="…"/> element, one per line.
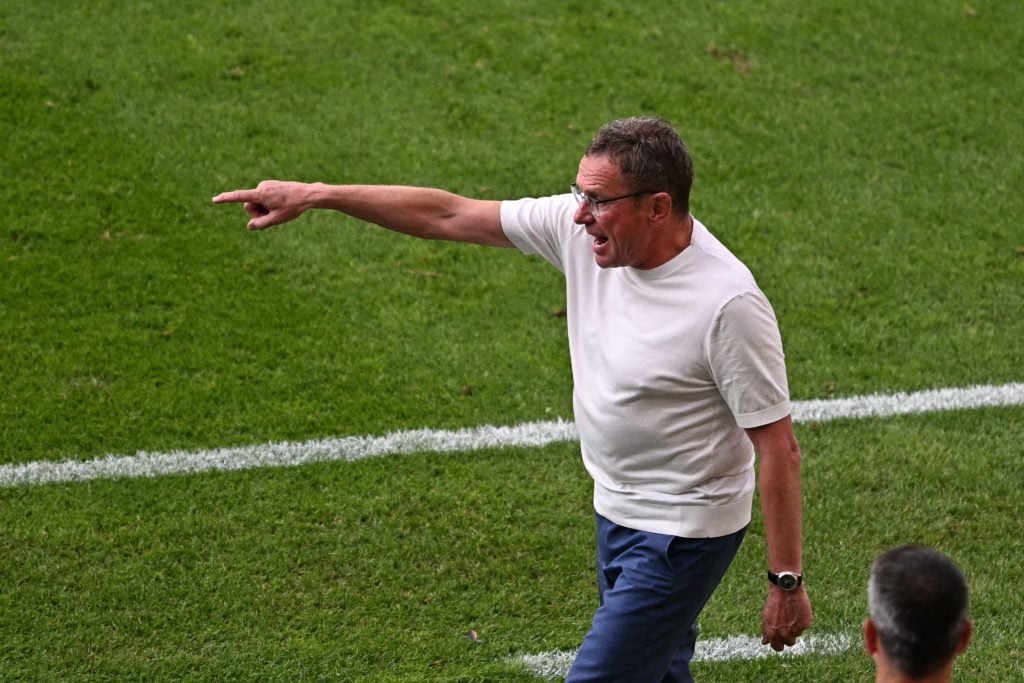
<point x="917" y="599"/>
<point x="678" y="376"/>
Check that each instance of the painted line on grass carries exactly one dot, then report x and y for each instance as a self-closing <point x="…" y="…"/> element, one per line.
<point x="888" y="405"/>
<point x="529" y="435"/>
<point x="288" y="454"/>
<point x="556" y="664"/>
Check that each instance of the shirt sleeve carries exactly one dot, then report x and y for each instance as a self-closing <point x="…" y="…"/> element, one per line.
<point x="540" y="226"/>
<point x="747" y="361"/>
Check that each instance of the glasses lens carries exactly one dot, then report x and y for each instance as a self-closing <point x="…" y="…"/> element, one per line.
<point x="581" y="197"/>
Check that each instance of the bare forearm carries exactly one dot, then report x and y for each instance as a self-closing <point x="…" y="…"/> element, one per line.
<point x="421" y="212"/>
<point x="779" y="485"/>
<point x="781" y="505"/>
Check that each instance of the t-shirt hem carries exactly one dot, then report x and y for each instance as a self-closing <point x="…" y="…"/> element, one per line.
<point x="686" y="521"/>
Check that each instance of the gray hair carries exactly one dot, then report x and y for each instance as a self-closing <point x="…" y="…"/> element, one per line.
<point x="917" y="598"/>
<point x="650" y="155"/>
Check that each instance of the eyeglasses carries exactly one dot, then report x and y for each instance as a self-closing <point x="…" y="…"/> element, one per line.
<point x="594" y="205"/>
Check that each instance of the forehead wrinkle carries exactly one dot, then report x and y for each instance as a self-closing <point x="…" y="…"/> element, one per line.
<point x="598" y="177"/>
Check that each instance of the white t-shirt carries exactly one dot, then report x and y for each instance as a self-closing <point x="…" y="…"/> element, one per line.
<point x="669" y="365"/>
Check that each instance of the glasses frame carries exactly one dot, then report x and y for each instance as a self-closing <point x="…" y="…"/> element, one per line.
<point x="594" y="205"/>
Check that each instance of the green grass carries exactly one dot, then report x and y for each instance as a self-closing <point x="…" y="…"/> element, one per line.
<point x="864" y="158"/>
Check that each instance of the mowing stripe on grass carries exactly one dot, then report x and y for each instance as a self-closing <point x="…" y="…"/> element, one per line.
<point x="556" y="664"/>
<point x="532" y="434"/>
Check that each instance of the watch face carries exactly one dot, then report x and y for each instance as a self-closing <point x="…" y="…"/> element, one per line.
<point x="787" y="581"/>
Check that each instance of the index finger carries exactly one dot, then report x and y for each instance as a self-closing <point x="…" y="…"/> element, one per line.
<point x="237" y="196"/>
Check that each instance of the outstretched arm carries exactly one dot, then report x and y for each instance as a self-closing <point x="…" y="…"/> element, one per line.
<point x="421" y="212"/>
<point x="786" y="614"/>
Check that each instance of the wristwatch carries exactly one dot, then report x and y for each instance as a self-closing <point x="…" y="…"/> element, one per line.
<point x="787" y="581"/>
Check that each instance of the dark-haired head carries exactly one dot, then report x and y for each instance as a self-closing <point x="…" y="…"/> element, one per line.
<point x="650" y="154"/>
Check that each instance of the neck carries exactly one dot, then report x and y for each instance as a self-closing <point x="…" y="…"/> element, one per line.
<point x="672" y="240"/>
<point x="886" y="673"/>
<point x="684" y="233"/>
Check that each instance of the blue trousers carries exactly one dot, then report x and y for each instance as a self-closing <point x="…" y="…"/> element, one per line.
<point x="651" y="589"/>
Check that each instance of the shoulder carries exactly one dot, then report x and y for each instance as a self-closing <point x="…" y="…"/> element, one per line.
<point x="714" y="255"/>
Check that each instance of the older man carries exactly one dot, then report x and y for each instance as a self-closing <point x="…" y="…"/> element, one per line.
<point x="678" y="373"/>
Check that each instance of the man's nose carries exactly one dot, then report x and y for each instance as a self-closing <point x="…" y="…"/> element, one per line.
<point x="583" y="214"/>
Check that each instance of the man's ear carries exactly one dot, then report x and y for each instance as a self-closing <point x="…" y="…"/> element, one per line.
<point x="871" y="637"/>
<point x="661" y="207"/>
<point x="965" y="639"/>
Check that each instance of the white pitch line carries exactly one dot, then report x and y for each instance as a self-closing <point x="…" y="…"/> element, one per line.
<point x="287" y="454"/>
<point x="532" y="434"/>
<point x="556" y="664"/>
<point x="929" y="401"/>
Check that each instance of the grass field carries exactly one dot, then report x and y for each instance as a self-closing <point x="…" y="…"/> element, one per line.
<point x="866" y="159"/>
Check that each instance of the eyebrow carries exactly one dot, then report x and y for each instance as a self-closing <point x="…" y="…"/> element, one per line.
<point x="588" y="193"/>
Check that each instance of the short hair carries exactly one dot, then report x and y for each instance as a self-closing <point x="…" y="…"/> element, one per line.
<point x="650" y="155"/>
<point x="917" y="598"/>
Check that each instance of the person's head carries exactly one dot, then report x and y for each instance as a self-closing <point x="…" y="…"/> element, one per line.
<point x="917" y="601"/>
<point x="634" y="182"/>
<point x="650" y="155"/>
